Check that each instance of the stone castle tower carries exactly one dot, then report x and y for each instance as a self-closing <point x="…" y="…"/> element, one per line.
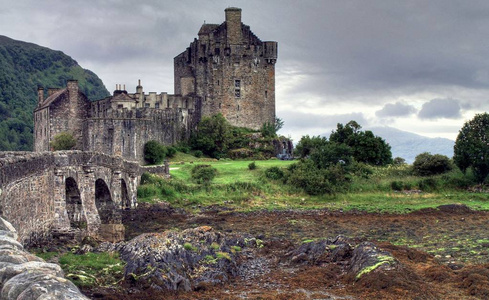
<point x="231" y="71"/>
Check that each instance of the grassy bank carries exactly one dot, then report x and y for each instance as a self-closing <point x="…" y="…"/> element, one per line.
<point x="377" y="189"/>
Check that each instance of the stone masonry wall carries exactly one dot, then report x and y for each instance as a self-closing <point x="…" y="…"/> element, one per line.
<point x="33" y="189"/>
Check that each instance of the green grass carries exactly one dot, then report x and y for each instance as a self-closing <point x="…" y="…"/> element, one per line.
<point x="243" y="189"/>
<point x="92" y="269"/>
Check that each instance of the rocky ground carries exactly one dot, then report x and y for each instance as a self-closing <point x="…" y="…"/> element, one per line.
<point x="428" y="254"/>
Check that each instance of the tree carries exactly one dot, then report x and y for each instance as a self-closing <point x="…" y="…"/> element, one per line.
<point x="472" y="147"/>
<point x="308" y="144"/>
<point x="213" y="136"/>
<point x="332" y="154"/>
<point x="426" y="164"/>
<point x="270" y="129"/>
<point x="366" y="147"/>
<point x="154" y="152"/>
<point x="63" y="141"/>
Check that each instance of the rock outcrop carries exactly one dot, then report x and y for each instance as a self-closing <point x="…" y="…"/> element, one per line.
<point x="187" y="260"/>
<point x="24" y="276"/>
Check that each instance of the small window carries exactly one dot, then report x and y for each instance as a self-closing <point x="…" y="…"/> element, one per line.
<point x="157" y="105"/>
<point x="120" y="106"/>
<point x="237" y="88"/>
<point x="266" y="94"/>
<point x="146" y="104"/>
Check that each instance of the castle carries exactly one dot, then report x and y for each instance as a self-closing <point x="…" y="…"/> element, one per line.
<point x="227" y="70"/>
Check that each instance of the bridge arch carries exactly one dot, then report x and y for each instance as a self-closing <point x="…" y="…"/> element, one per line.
<point x="74" y="205"/>
<point x="106" y="207"/>
<point x="125" y="200"/>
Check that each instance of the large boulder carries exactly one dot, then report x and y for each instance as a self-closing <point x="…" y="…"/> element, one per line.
<point x="24" y="276"/>
<point x="187" y="260"/>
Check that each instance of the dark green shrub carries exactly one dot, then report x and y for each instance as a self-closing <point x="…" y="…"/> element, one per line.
<point x="147" y="190"/>
<point x="274" y="173"/>
<point x="198" y="153"/>
<point x="397" y="185"/>
<point x="145" y="178"/>
<point x="154" y="152"/>
<point x="428" y="184"/>
<point x="460" y="182"/>
<point x="252" y="166"/>
<point x="398" y="161"/>
<point x="183" y="149"/>
<point x="63" y="141"/>
<point x="171" y="151"/>
<point x="314" y="181"/>
<point x="361" y="170"/>
<point x="203" y="174"/>
<point x="426" y="164"/>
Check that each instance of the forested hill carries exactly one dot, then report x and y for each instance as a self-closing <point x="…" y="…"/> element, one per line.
<point x="24" y="66"/>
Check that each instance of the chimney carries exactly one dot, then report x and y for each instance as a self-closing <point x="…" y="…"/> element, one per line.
<point x="139" y="88"/>
<point x="233" y="25"/>
<point x="40" y="95"/>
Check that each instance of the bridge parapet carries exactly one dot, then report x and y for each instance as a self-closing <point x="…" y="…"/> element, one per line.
<point x="66" y="190"/>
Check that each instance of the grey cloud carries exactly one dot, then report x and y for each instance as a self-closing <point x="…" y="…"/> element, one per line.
<point x="440" y="108"/>
<point x="397" y="109"/>
<point x="299" y="120"/>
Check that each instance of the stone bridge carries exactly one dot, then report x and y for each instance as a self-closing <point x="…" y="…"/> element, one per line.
<point x="67" y="191"/>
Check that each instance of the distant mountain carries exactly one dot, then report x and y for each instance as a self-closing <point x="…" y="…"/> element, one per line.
<point x="24" y="66"/>
<point x="407" y="145"/>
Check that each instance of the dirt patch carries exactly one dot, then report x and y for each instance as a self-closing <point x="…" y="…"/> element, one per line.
<point x="442" y="253"/>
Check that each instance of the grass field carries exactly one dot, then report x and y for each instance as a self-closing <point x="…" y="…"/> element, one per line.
<point x="243" y="189"/>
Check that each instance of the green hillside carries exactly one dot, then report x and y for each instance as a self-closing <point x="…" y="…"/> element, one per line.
<point x="23" y="67"/>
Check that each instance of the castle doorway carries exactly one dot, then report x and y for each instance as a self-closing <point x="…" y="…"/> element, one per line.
<point x="74" y="206"/>
<point x="103" y="200"/>
<point x="126" y="202"/>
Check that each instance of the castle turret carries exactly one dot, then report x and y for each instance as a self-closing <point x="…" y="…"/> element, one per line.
<point x="233" y="25"/>
<point x="40" y="95"/>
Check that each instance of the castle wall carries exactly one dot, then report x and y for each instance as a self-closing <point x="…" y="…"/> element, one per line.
<point x="125" y="132"/>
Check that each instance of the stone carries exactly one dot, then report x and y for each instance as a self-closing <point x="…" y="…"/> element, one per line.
<point x="185" y="260"/>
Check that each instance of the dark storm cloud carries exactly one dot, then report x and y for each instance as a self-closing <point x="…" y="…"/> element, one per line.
<point x="440" y="108"/>
<point x="397" y="109"/>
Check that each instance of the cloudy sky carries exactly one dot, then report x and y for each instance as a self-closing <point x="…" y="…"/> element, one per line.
<point x="419" y="66"/>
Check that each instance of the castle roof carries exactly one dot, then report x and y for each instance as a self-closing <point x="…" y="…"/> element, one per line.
<point x="122" y="97"/>
<point x="49" y="100"/>
<point x="207" y="28"/>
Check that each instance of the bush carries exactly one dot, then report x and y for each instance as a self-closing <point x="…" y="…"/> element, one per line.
<point x="183" y="149"/>
<point x="198" y="153"/>
<point x="147" y="190"/>
<point x="314" y="181"/>
<point x="203" y="174"/>
<point x="274" y="173"/>
<point x="171" y="151"/>
<point x="428" y="184"/>
<point x="398" y="161"/>
<point x="145" y="178"/>
<point x="63" y="141"/>
<point x="154" y="152"/>
<point x="426" y="164"/>
<point x="252" y="166"/>
<point x="396" y="185"/>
